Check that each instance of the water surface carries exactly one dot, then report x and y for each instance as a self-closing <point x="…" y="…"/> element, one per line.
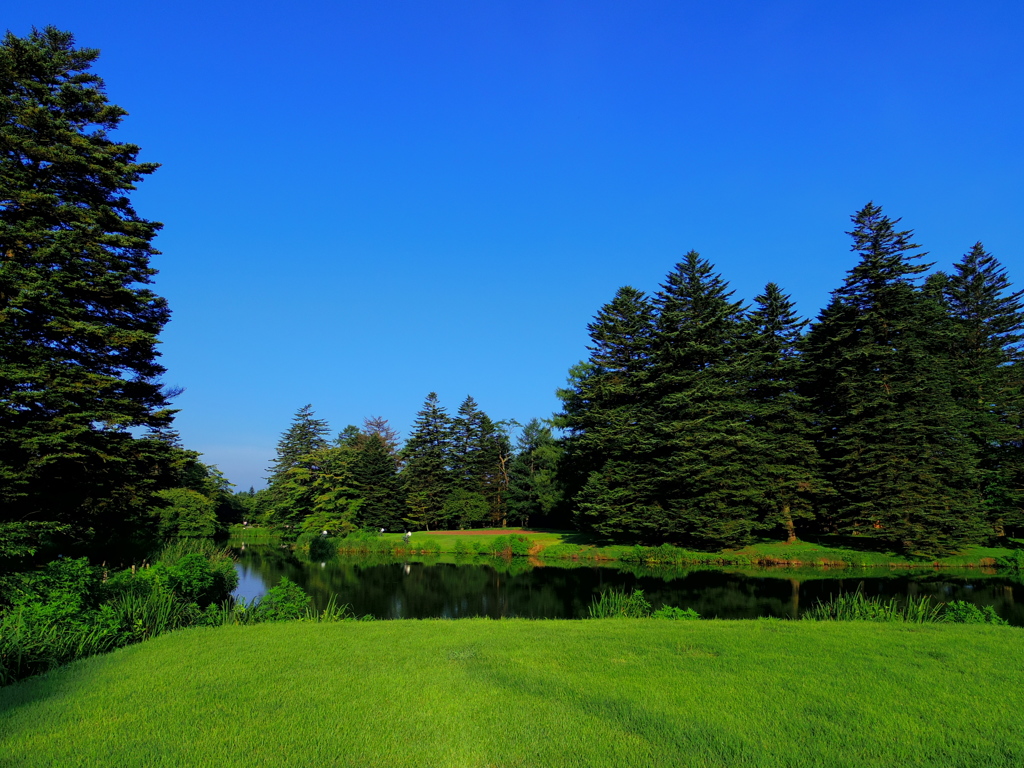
<point x="448" y="587"/>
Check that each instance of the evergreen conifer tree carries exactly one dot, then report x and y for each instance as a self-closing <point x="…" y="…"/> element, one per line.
<point x="305" y="435"/>
<point x="427" y="455"/>
<point x="893" y="443"/>
<point x="786" y="465"/>
<point x="468" y="462"/>
<point x="78" y="362"/>
<point x="607" y="413"/>
<point x="987" y="331"/>
<point x="375" y="475"/>
<point x="706" y="490"/>
<point x="534" y="491"/>
<point x="293" y="481"/>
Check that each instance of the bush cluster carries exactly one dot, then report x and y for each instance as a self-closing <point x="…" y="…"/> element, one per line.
<point x="70" y="609"/>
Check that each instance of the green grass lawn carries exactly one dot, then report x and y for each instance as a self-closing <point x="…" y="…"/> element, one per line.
<point x="533" y="693"/>
<point x="832" y="551"/>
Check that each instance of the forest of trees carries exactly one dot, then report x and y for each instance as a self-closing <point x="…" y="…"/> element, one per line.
<point x="697" y="420"/>
<point x="457" y="471"/>
<point x="896" y="416"/>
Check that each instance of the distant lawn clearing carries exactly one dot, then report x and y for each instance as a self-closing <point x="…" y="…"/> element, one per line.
<point x="533" y="693"/>
<point x="486" y="532"/>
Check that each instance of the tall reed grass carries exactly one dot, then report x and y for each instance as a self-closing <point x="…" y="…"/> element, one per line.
<point x="854" y="606"/>
<point x="619" y="604"/>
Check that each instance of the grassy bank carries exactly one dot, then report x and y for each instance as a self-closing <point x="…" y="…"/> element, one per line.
<point x="828" y="552"/>
<point x="533" y="693"/>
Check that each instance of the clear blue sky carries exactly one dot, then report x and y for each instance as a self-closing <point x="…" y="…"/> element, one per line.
<point x="367" y="201"/>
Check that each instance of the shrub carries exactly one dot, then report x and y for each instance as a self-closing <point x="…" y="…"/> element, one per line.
<point x="561" y="551"/>
<point x="1014" y="561"/>
<point x="461" y="548"/>
<point x="285" y="601"/>
<point x="678" y="614"/>
<point x="322" y="547"/>
<point x="962" y="612"/>
<point x="513" y="545"/>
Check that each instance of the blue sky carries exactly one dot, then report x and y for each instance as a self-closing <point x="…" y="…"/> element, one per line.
<point x="365" y="202"/>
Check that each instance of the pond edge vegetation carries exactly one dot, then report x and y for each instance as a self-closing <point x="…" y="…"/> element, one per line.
<point x="509" y="545"/>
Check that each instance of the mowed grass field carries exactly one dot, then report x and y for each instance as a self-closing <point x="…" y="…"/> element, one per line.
<point x="841" y="552"/>
<point x="533" y="693"/>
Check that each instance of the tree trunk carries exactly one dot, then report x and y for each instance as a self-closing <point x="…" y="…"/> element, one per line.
<point x="787" y="520"/>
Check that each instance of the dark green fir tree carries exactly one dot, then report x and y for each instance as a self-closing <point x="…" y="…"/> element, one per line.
<point x="985" y="342"/>
<point x="786" y="465"/>
<point x="428" y="460"/>
<point x="375" y="475"/>
<point x="894" y="439"/>
<point x="80" y="389"/>
<point x="607" y="414"/>
<point x="534" y="491"/>
<point x="293" y="484"/>
<point x="707" y="492"/>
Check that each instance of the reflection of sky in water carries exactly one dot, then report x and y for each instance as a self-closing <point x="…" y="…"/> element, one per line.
<point x="250" y="584"/>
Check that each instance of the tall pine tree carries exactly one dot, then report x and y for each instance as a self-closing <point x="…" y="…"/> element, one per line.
<point x="606" y="411"/>
<point x="706" y="491"/>
<point x="985" y="344"/>
<point x="79" y="376"/>
<point x="786" y="467"/>
<point x="893" y="439"/>
<point x="428" y="459"/>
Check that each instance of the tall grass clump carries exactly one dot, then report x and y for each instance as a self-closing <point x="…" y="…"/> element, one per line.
<point x="285" y="602"/>
<point x="854" y="606"/>
<point x="620" y="604"/>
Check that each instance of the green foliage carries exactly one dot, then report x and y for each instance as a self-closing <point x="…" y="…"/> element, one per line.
<point x="854" y="606"/>
<point x="893" y="437"/>
<point x="375" y="478"/>
<point x="513" y="545"/>
<point x="675" y="614"/>
<point x="82" y="406"/>
<point x="563" y="550"/>
<point x="184" y="513"/>
<point x="620" y="604"/>
<point x="962" y="612"/>
<point x="985" y="346"/>
<point x="428" y="459"/>
<point x="365" y="542"/>
<point x="463" y="508"/>
<point x="283" y="602"/>
<point x="534" y="488"/>
<point x="1013" y="561"/>
<point x="70" y="609"/>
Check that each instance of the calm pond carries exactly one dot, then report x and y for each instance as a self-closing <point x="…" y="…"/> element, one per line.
<point x="443" y="587"/>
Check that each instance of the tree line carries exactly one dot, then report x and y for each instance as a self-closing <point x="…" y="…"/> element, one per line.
<point x="453" y="472"/>
<point x="896" y="415"/>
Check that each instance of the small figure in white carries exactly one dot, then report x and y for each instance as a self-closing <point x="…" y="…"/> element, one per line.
<point x="381" y="532"/>
<point x="407" y="537"/>
<point x="324" y="533"/>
